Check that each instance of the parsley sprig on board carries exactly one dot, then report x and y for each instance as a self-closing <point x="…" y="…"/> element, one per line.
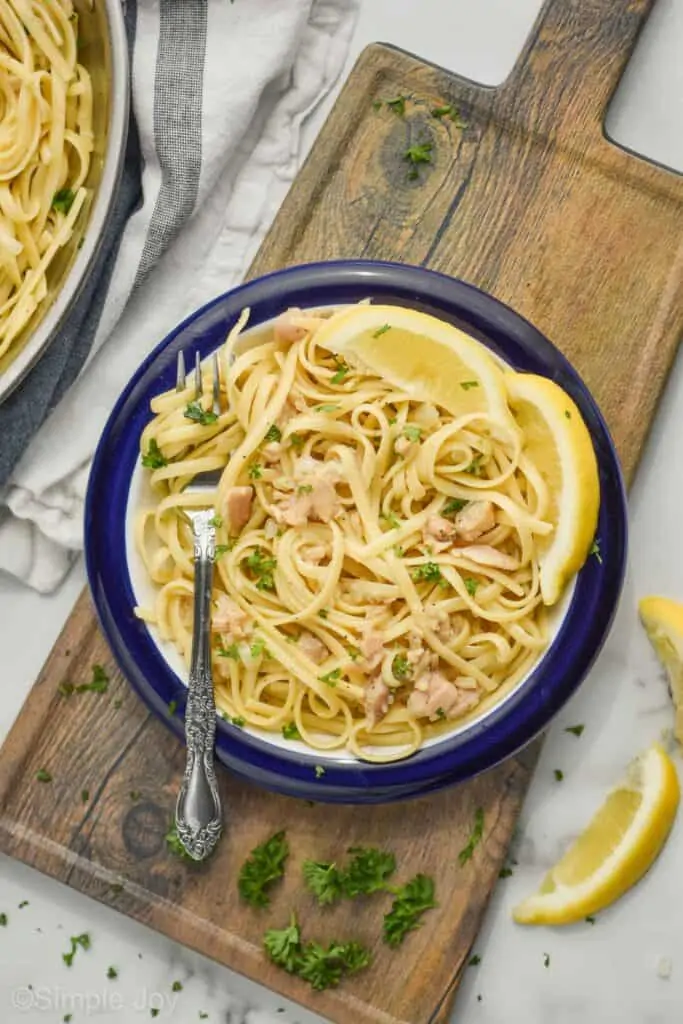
<point x="321" y="966"/>
<point x="474" y="839"/>
<point x="410" y="903"/>
<point x="264" y="866"/>
<point x="367" y="872"/>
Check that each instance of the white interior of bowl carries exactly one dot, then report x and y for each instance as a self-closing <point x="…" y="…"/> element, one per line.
<point x="141" y="495"/>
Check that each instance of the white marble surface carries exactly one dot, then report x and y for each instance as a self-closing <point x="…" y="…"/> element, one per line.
<point x="601" y="973"/>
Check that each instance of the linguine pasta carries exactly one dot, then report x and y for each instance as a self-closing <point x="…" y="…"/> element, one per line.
<point x="377" y="576"/>
<point x="46" y="142"/>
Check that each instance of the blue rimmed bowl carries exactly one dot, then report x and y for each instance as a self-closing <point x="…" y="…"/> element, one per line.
<point x="291" y="768"/>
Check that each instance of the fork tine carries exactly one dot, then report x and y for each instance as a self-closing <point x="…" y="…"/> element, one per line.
<point x="180" y="372"/>
<point x="216" y="385"/>
<point x="198" y="387"/>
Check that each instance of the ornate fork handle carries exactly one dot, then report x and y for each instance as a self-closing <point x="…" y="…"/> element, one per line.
<point x="198" y="808"/>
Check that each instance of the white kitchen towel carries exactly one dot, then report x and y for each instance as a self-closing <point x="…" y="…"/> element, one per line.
<point x="220" y="90"/>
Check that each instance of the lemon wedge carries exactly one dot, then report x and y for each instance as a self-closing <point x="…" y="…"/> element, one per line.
<point x="663" y="621"/>
<point x="557" y="441"/>
<point x="616" y="849"/>
<point x="427" y="358"/>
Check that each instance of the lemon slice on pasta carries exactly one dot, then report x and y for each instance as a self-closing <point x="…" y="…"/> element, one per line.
<point x="430" y="360"/>
<point x="663" y="621"/>
<point x="557" y="442"/>
<point x="615" y="850"/>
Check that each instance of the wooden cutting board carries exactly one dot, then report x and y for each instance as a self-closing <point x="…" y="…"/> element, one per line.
<point x="531" y="202"/>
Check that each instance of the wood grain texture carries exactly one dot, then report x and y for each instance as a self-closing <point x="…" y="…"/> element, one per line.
<point x="532" y="203"/>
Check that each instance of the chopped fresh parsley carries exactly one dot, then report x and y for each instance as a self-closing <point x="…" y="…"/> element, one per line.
<point x="255" y="471"/>
<point x="368" y="871"/>
<point x="202" y="1015"/>
<point x="590" y="919"/>
<point x="43" y="775"/>
<point x="412" y="432"/>
<point x="3" y="920"/>
<point x="453" y="505"/>
<point x="273" y="434"/>
<point x="264" y="866"/>
<point x="451" y="113"/>
<point x="222" y="549"/>
<point x="475" y="837"/>
<point x="296" y="441"/>
<point x="475" y="467"/>
<point x="262" y="566"/>
<point x="232" y="651"/>
<point x="381" y="330"/>
<point x="331" y="678"/>
<point x="505" y="872"/>
<point x="466" y="385"/>
<point x="283" y="945"/>
<point x="174" y="844"/>
<point x="410" y="902"/>
<point x="154" y="459"/>
<point x="575" y="730"/>
<point x="324" y="967"/>
<point x="474" y="960"/>
<point x="98" y="684"/>
<point x="172" y="707"/>
<point x="177" y="986"/>
<point x="154" y="1011"/>
<point x="24" y="903"/>
<point x="559" y="775"/>
<point x="197" y="414"/>
<point x="258" y="648"/>
<point x="304" y="489"/>
<point x="85" y="795"/>
<point x="63" y="200"/>
<point x="326" y="408"/>
<point x="397" y="105"/>
<point x="319" y="771"/>
<point x="429" y="572"/>
<point x="324" y="881"/>
<point x="77" y="942"/>
<point x="342" y="371"/>
<point x="238" y="721"/>
<point x="135" y="795"/>
<point x="391" y="519"/>
<point x="321" y="967"/>
<point x="377" y="105"/>
<point x="441" y="714"/>
<point x="471" y="585"/>
<point x="323" y="613"/>
<point x="112" y="973"/>
<point x="216" y="521"/>
<point x="595" y="550"/>
<point x="420" y="153"/>
<point x="290" y="731"/>
<point x="400" y="667"/>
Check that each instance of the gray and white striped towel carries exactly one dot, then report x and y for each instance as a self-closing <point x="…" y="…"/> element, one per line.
<point x="220" y="90"/>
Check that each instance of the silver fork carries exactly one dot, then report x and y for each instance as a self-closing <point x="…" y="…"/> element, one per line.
<point x="198" y="816"/>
